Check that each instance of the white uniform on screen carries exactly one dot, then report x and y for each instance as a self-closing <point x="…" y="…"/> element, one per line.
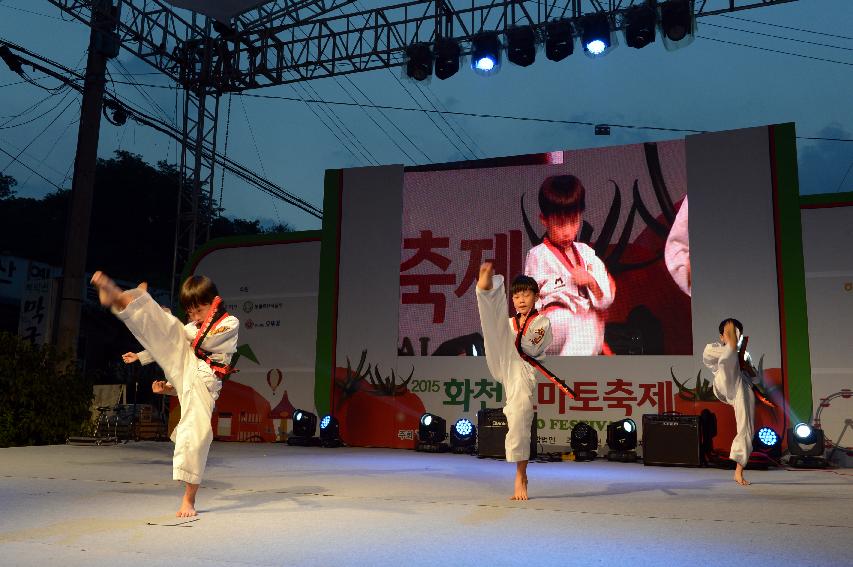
<point x="576" y="314"/>
<point x="167" y="342"/>
<point x="517" y="377"/>
<point x="677" y="250"/>
<point x="734" y="388"/>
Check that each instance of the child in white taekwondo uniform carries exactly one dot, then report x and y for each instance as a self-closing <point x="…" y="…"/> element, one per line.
<point x="574" y="286"/>
<point x="194" y="357"/>
<point x="734" y="386"/>
<point x="506" y="364"/>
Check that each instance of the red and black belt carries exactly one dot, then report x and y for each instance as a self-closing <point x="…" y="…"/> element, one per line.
<point x="520" y="330"/>
<point x="215" y="316"/>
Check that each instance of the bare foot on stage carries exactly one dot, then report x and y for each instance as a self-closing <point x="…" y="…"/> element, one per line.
<point x="739" y="476"/>
<point x="187" y="508"/>
<point x="520" y="488"/>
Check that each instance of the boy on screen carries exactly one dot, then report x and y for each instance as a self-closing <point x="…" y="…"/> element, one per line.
<point x="506" y="340"/>
<point x="574" y="286"/>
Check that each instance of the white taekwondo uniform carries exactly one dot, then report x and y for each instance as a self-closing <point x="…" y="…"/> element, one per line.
<point x="676" y="253"/>
<point x="506" y="365"/>
<point x="575" y="313"/>
<point x="168" y="342"/>
<point x="733" y="387"/>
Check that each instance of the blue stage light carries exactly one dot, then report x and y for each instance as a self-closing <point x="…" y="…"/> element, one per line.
<point x="486" y="53"/>
<point x="324" y="423"/>
<point x="464" y="427"/>
<point x="596" y="46"/>
<point x="768" y="437"/>
<point x="596" y="37"/>
<point x="463" y="436"/>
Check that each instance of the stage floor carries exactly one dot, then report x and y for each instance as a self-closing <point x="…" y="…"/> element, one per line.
<point x="264" y="504"/>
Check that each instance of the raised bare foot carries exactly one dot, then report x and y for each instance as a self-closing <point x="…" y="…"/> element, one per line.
<point x="520" y="488"/>
<point x="108" y="291"/>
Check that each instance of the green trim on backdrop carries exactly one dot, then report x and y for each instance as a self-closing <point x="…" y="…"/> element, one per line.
<point x="827" y="200"/>
<point x="793" y="277"/>
<point x="327" y="299"/>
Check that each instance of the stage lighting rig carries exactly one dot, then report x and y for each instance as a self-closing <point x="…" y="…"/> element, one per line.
<point x="521" y="46"/>
<point x="806" y="445"/>
<point x="622" y="440"/>
<point x="419" y="61"/>
<point x="486" y="53"/>
<point x="432" y="431"/>
<point x="446" y="54"/>
<point x="677" y="24"/>
<point x="330" y="432"/>
<point x="463" y="436"/>
<point x="559" y="42"/>
<point x="596" y="38"/>
<point x="304" y="427"/>
<point x="768" y="443"/>
<point x="640" y="26"/>
<point x="584" y="441"/>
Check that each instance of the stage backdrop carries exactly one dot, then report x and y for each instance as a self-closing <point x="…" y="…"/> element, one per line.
<point x="397" y="289"/>
<point x="827" y="238"/>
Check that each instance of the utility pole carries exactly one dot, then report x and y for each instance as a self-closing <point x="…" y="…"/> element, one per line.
<point x="103" y="45"/>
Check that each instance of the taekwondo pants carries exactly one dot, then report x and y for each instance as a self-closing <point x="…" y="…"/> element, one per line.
<point x="731" y="388"/>
<point x="164" y="337"/>
<point x="507" y="367"/>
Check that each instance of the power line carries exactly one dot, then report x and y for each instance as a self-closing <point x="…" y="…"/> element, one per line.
<point x="774" y="50"/>
<point x="55" y="118"/>
<point x="785" y="27"/>
<point x="778" y="36"/>
<point x="32" y="170"/>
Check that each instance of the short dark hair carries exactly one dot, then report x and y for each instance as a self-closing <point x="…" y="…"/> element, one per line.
<point x="738" y="325"/>
<point x="197" y="290"/>
<point x="561" y="195"/>
<point x="523" y="283"/>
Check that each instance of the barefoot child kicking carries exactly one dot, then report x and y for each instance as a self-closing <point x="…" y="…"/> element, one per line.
<point x="195" y="357"/>
<point x="505" y="362"/>
<point x="733" y="385"/>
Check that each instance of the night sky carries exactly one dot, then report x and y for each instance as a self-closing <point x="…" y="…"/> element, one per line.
<point x="709" y="85"/>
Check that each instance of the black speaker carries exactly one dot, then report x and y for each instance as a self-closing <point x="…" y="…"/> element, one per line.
<point x="491" y="434"/>
<point x="672" y="440"/>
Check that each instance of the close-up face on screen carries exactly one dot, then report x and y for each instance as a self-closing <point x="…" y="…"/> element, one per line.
<point x="602" y="231"/>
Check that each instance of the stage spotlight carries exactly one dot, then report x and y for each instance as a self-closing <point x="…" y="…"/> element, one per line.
<point x="419" y="61"/>
<point x="596" y="37"/>
<point x="432" y="431"/>
<point x="640" y="26"/>
<point x="677" y="24"/>
<point x="768" y="442"/>
<point x="486" y="53"/>
<point x="446" y="54"/>
<point x="521" y="46"/>
<point x="622" y="440"/>
<point x="584" y="441"/>
<point x="304" y="427"/>
<point x="330" y="435"/>
<point x="559" y="43"/>
<point x="806" y="445"/>
<point x="463" y="436"/>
